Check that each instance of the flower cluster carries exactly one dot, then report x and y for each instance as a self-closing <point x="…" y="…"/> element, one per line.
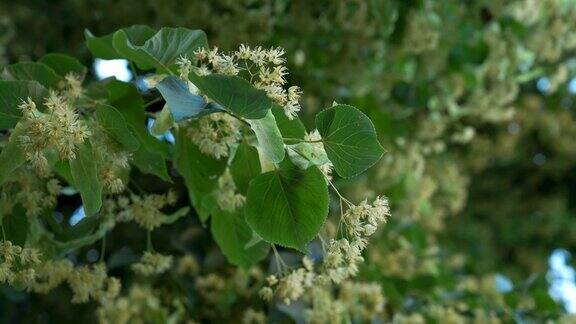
<point x="342" y="256"/>
<point x="30" y="191"/>
<point x="360" y="222"/>
<point x="92" y="283"/>
<point x="152" y="264"/>
<point x="144" y="210"/>
<point x="264" y="68"/>
<point x="215" y="134"/>
<point x="17" y="266"/>
<point x="226" y="196"/>
<point x="422" y="32"/>
<point x="59" y="128"/>
<point x="73" y="87"/>
<point x="363" y="302"/>
<point x="86" y="282"/>
<point x="140" y="305"/>
<point x="252" y="316"/>
<point x="111" y="170"/>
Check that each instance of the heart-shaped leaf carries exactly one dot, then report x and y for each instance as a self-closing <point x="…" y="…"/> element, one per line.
<point x="349" y="138"/>
<point x="288" y="206"/>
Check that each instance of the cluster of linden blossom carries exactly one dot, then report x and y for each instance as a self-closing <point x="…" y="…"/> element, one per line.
<point x="402" y="259"/>
<point x="139" y="306"/>
<point x="552" y="35"/>
<point x="114" y="164"/>
<point x="422" y="33"/>
<point x="17" y="264"/>
<point x="59" y="128"/>
<point x="188" y="266"/>
<point x="27" y="189"/>
<point x="152" y="263"/>
<point x="73" y="86"/>
<point x="360" y="222"/>
<point x="86" y="282"/>
<point x="361" y="301"/>
<point x="115" y="160"/>
<point x="264" y="67"/>
<point x="215" y="134"/>
<point x="226" y="196"/>
<point x="252" y="316"/>
<point x="342" y="255"/>
<point x="214" y="288"/>
<point x="92" y="283"/>
<point x="144" y="210"/>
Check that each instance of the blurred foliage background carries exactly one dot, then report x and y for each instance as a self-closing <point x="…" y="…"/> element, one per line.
<point x="473" y="101"/>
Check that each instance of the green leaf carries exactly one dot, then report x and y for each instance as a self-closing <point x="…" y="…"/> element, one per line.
<point x="269" y="137"/>
<point x="151" y="163"/>
<point x="234" y="93"/>
<point x="63" y="64"/>
<point x="87" y="179"/>
<point x="102" y="47"/>
<point x="11" y="158"/>
<point x="12" y="93"/>
<point x="163" y="122"/>
<point x="83" y="228"/>
<point x="161" y="50"/>
<point x="245" y="166"/>
<point x="16" y="225"/>
<point x="114" y="124"/>
<point x="182" y="103"/>
<point x="288" y="206"/>
<point x="150" y="156"/>
<point x="289" y="128"/>
<point x="125" y="97"/>
<point x="200" y="171"/>
<point x="305" y="155"/>
<point x="349" y="138"/>
<point x="32" y="71"/>
<point x="74" y="244"/>
<point x="232" y="235"/>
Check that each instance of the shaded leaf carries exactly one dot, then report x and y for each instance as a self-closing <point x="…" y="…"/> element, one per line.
<point x="12" y="93"/>
<point x="232" y="235"/>
<point x="151" y="155"/>
<point x="245" y="166"/>
<point x="87" y="179"/>
<point x="200" y="172"/>
<point x="63" y="64"/>
<point x="16" y="225"/>
<point x="102" y="47"/>
<point x="114" y="124"/>
<point x="32" y="71"/>
<point x="11" y="158"/>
